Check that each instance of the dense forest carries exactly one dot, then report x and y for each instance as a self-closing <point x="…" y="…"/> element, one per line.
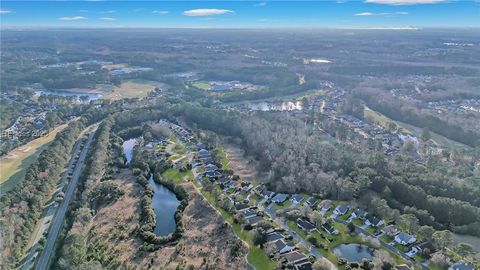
<point x="340" y="171"/>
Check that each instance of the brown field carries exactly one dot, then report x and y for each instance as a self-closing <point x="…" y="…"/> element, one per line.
<point x="244" y="166"/>
<point x="207" y="241"/>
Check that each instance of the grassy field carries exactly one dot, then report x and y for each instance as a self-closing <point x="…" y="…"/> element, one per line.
<point x="201" y="85"/>
<point x="14" y="165"/>
<point x="130" y="89"/>
<point x="413" y="130"/>
<point x="177" y="176"/>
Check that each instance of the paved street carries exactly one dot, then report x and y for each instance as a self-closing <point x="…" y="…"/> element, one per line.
<point x="58" y="219"/>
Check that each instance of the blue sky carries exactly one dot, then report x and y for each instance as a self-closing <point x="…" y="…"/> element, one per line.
<point x="242" y="14"/>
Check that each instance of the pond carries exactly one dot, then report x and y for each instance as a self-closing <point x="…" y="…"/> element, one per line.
<point x="164" y="203"/>
<point x="354" y="252"/>
<point x="128" y="149"/>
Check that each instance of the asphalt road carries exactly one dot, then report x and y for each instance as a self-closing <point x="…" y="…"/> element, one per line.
<point x="46" y="220"/>
<point x="57" y="222"/>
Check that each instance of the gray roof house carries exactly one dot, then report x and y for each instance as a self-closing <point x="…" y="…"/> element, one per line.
<point x="296" y="198"/>
<point x="274" y="236"/>
<point x="359" y="213"/>
<point x="305" y="225"/>
<point x="295" y="257"/>
<point x="279" y="198"/>
<point x="311" y="201"/>
<point x="374" y="221"/>
<point x="405" y="238"/>
<point x="282" y="247"/>
<point x="341" y="209"/>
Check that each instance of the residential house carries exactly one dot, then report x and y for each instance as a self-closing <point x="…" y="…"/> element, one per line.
<point x="274" y="236"/>
<point x="325" y="206"/>
<point x="211" y="168"/>
<point x="462" y="266"/>
<point x="359" y="213"/>
<point x="203" y="153"/>
<point x="311" y="201"/>
<point x="296" y="198"/>
<point x="341" y="210"/>
<point x="390" y="230"/>
<point x="259" y="190"/>
<point x="374" y="221"/>
<point x="295" y="257"/>
<point x="305" y="225"/>
<point x="267" y="194"/>
<point x="213" y="175"/>
<point x="248" y="213"/>
<point x="282" y="247"/>
<point x="279" y="198"/>
<point x="254" y="220"/>
<point x="303" y="266"/>
<point x="240" y="206"/>
<point x="329" y="228"/>
<point x="405" y="239"/>
<point x="246" y="186"/>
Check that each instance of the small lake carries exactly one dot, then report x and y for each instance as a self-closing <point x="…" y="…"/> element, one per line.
<point x="128" y="149"/>
<point x="92" y="96"/>
<point x="354" y="252"/>
<point x="164" y="203"/>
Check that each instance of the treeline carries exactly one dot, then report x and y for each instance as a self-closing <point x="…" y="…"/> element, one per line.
<point x="95" y="190"/>
<point x="397" y="111"/>
<point x="23" y="206"/>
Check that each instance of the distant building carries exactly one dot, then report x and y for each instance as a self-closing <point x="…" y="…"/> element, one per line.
<point x="296" y="198"/>
<point x="341" y="210"/>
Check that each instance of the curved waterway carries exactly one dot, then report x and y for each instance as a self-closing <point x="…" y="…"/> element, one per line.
<point x="164" y="201"/>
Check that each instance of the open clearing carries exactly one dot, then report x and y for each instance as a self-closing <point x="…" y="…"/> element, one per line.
<point x="242" y="165"/>
<point x="14" y="165"/>
<point x="131" y="89"/>
<point x="202" y="85"/>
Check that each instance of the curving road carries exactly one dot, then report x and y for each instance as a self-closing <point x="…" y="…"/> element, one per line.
<point x="57" y="222"/>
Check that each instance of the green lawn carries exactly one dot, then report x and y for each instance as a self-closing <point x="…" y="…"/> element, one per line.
<point x="223" y="157"/>
<point x="179" y="150"/>
<point x="259" y="259"/>
<point x="177" y="176"/>
<point x="202" y="85"/>
<point x="285" y="204"/>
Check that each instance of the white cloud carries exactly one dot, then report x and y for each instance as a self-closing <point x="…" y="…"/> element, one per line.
<point x="261" y="4"/>
<point x="365" y="14"/>
<point x="75" y="18"/>
<point x="107" y="11"/>
<point x="381" y="14"/>
<point x="206" y="12"/>
<point x="161" y="12"/>
<point x="4" y="11"/>
<point x="83" y="10"/>
<point x="107" y="19"/>
<point x="404" y="2"/>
